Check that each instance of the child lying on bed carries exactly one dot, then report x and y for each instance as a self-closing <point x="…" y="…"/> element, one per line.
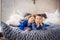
<point x="39" y="22"/>
<point x="26" y="25"/>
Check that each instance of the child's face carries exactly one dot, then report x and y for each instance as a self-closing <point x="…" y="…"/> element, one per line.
<point x="31" y="19"/>
<point x="39" y="19"/>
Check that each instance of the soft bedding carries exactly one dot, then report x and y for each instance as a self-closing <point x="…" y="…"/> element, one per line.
<point x="14" y="33"/>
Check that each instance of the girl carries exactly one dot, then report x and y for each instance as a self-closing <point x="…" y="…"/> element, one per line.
<point x="27" y="24"/>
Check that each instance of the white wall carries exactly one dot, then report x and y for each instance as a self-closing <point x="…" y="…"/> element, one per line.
<point x="40" y="6"/>
<point x="0" y="15"/>
<point x="7" y="9"/>
<point x="46" y="6"/>
<point x="25" y="6"/>
<point x="0" y="10"/>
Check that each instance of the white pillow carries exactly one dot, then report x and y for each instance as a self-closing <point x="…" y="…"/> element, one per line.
<point x="14" y="19"/>
<point x="53" y="17"/>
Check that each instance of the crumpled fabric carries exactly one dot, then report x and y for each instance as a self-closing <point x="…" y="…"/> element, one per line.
<point x="14" y="33"/>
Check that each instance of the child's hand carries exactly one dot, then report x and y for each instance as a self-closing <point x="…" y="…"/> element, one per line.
<point x="28" y="29"/>
<point x="38" y="24"/>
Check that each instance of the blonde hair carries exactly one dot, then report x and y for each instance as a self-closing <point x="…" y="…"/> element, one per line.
<point x="31" y="16"/>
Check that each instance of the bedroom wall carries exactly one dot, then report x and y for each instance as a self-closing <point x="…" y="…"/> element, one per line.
<point x="20" y="7"/>
<point x="41" y="6"/>
<point x="0" y="15"/>
<point x="46" y="6"/>
<point x="0" y="10"/>
<point x="7" y="9"/>
<point x="58" y="5"/>
<point x="24" y="6"/>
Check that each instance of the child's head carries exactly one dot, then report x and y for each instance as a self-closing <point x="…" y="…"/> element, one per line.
<point x="39" y="18"/>
<point x="31" y="18"/>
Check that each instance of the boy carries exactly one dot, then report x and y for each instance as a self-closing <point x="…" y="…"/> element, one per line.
<point x="39" y="22"/>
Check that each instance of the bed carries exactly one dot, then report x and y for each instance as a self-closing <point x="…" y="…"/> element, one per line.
<point x="14" y="33"/>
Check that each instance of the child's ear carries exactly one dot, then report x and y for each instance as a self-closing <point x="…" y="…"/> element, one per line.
<point x="43" y="18"/>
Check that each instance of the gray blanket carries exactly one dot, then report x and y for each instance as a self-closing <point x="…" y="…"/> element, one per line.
<point x="14" y="33"/>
